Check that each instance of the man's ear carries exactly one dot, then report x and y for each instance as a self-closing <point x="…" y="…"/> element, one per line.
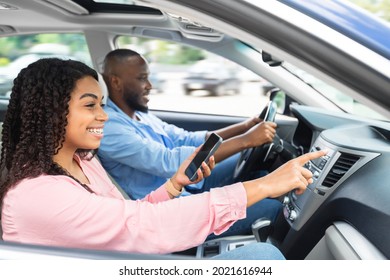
<point x="115" y="82"/>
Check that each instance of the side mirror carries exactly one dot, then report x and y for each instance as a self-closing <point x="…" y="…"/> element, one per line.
<point x="279" y="97"/>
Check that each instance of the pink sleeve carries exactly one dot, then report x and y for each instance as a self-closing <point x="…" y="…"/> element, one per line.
<point x="158" y="195"/>
<point x="54" y="210"/>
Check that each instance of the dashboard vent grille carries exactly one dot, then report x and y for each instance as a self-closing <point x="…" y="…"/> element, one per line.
<point x="342" y="165"/>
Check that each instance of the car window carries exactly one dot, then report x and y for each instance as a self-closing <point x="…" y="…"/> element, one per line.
<point x="17" y="52"/>
<point x="188" y="79"/>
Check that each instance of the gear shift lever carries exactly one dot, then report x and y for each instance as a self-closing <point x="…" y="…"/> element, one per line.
<point x="261" y="229"/>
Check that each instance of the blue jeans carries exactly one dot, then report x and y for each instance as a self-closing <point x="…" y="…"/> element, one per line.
<point x="253" y="251"/>
<point x="222" y="175"/>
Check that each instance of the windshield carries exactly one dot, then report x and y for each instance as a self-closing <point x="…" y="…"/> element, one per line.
<point x="345" y="102"/>
<point x="346" y="16"/>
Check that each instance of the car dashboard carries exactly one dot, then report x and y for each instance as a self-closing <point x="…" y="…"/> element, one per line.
<point x="350" y="189"/>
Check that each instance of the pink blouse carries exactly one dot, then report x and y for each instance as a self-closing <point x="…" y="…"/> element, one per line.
<point x="57" y="211"/>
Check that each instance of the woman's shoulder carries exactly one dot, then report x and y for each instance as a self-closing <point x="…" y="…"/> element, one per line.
<point x="40" y="189"/>
<point x="44" y="180"/>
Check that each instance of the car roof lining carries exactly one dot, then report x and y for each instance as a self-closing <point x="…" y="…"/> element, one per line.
<point x="80" y="18"/>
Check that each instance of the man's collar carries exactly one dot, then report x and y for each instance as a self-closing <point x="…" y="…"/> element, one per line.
<point x="115" y="107"/>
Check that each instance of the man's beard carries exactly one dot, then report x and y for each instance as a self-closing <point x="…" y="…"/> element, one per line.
<point x="134" y="102"/>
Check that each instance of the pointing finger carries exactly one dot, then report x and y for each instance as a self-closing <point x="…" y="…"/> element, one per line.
<point x="309" y="156"/>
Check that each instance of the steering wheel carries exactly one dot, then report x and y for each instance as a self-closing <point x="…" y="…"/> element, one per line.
<point x="260" y="157"/>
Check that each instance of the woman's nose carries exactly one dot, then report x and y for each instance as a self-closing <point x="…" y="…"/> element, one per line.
<point x="102" y="115"/>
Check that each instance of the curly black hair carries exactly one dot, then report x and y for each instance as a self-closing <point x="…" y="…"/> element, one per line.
<point x="36" y="118"/>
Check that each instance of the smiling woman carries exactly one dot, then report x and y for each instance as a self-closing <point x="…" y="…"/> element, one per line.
<point x="85" y="106"/>
<point x="56" y="193"/>
<point x="332" y="85"/>
<point x="45" y="155"/>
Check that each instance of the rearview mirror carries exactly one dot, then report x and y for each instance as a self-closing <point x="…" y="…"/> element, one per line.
<point x="270" y="60"/>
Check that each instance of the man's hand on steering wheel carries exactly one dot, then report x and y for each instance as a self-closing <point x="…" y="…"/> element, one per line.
<point x="251" y="122"/>
<point x="258" y="138"/>
<point x="260" y="134"/>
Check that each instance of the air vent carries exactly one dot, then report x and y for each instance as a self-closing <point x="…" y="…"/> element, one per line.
<point x="342" y="165"/>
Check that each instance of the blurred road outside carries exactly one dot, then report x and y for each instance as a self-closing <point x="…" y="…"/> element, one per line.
<point x="249" y="102"/>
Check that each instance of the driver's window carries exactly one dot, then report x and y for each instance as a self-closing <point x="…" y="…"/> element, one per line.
<point x="188" y="79"/>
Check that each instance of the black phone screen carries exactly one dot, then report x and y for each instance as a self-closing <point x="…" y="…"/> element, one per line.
<point x="207" y="150"/>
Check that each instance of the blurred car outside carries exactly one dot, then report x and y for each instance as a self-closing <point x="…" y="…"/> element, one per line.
<point x="248" y="76"/>
<point x="265" y="87"/>
<point x="9" y="72"/>
<point x="157" y="82"/>
<point x="212" y="77"/>
<point x="50" y="48"/>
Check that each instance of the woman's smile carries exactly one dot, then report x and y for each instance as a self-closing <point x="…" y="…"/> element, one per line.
<point x="95" y="130"/>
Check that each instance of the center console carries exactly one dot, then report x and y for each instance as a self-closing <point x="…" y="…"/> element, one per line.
<point x="329" y="172"/>
<point x="216" y="246"/>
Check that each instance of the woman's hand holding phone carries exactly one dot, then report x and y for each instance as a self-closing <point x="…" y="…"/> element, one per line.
<point x="204" y="153"/>
<point x="180" y="179"/>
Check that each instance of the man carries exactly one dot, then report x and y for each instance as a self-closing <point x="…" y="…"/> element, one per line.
<point x="140" y="151"/>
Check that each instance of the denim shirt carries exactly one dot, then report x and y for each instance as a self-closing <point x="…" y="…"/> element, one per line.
<point x="141" y="155"/>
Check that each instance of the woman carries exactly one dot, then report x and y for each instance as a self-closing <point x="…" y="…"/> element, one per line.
<point x="54" y="192"/>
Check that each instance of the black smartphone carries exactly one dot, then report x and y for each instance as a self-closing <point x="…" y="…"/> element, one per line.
<point x="205" y="152"/>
